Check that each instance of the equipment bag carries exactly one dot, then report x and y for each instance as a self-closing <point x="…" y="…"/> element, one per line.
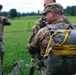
<point x="62" y="42"/>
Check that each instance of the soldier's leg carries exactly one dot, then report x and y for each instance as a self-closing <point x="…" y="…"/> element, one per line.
<point x="0" y="65"/>
<point x="2" y="59"/>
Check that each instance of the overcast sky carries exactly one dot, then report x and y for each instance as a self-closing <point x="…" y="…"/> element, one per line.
<point x="31" y="5"/>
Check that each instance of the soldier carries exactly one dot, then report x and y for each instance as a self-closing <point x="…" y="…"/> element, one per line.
<point x="59" y="62"/>
<point x="3" y="22"/>
<point x="41" y="23"/>
<point x="53" y="17"/>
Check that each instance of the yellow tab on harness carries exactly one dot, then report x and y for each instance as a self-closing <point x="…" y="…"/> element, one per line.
<point x="65" y="50"/>
<point x="65" y="47"/>
<point x="65" y="38"/>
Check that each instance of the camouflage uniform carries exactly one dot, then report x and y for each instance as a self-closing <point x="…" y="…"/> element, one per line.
<point x="40" y="24"/>
<point x="59" y="64"/>
<point x="42" y="37"/>
<point x="40" y="41"/>
<point x="3" y="22"/>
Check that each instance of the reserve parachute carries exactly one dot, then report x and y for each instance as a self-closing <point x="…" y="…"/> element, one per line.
<point x="62" y="42"/>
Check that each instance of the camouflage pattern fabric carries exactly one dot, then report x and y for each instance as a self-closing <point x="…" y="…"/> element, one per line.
<point x="0" y="66"/>
<point x="18" y="68"/>
<point x="39" y="25"/>
<point x="56" y="7"/>
<point x="42" y="37"/>
<point x="39" y="39"/>
<point x="3" y="22"/>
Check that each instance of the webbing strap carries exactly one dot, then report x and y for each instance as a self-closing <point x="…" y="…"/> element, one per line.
<point x="46" y="52"/>
<point x="64" y="52"/>
<point x="65" y="38"/>
<point x="65" y="47"/>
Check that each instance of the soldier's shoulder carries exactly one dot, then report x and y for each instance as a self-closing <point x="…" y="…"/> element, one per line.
<point x="43" y="29"/>
<point x="66" y="19"/>
<point x="38" y="20"/>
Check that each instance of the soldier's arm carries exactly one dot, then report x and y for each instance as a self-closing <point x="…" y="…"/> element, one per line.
<point x="39" y="24"/>
<point x="5" y="20"/>
<point x="33" y="46"/>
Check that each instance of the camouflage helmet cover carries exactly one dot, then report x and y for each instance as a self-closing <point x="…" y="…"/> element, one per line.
<point x="56" y="7"/>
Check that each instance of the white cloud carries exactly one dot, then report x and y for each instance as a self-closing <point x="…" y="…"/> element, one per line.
<point x="66" y="3"/>
<point x="30" y="5"/>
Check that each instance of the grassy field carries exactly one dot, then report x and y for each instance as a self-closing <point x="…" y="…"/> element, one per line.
<point x="15" y="38"/>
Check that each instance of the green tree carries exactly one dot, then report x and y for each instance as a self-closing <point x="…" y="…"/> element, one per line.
<point x="73" y="12"/>
<point x="12" y="13"/>
<point x="70" y="10"/>
<point x="4" y="13"/>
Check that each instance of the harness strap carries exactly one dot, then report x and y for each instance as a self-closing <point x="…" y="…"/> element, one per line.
<point x="63" y="52"/>
<point x="66" y="35"/>
<point x="46" y="52"/>
<point x="64" y="40"/>
<point x="65" y="47"/>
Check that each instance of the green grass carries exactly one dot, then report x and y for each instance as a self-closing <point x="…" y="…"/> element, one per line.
<point x="72" y="19"/>
<point x="15" y="38"/>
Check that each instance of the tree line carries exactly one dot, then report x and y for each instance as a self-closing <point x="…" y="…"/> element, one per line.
<point x="68" y="11"/>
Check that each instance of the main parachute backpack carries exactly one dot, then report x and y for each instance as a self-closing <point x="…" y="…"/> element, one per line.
<point x="62" y="42"/>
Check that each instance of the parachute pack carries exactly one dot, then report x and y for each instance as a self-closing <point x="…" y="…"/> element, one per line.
<point x="62" y="42"/>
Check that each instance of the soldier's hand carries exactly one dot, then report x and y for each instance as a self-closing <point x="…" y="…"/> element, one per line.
<point x="2" y="18"/>
<point x="43" y="22"/>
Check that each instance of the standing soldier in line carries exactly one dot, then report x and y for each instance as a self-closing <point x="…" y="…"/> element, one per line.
<point x="3" y="22"/>
<point x="53" y="17"/>
<point x="41" y="23"/>
<point x="62" y="52"/>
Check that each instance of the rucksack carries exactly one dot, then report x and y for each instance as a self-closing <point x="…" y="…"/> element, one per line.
<point x="62" y="42"/>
